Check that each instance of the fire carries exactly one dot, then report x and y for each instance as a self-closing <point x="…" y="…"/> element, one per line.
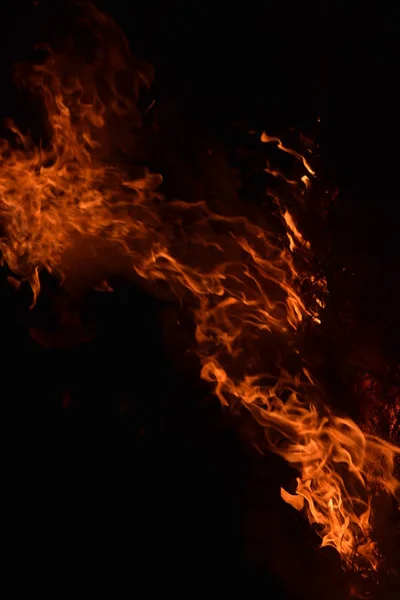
<point x="241" y="278"/>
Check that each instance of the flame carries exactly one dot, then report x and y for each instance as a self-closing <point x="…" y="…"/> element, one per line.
<point x="266" y="139"/>
<point x="239" y="277"/>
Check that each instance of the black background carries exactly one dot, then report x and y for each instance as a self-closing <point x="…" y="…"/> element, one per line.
<point x="142" y="482"/>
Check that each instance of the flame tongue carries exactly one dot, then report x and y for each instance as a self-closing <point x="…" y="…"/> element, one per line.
<point x="239" y="277"/>
<point x="294" y="500"/>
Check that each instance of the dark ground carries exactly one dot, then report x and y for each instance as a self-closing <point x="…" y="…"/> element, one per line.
<point x="142" y="481"/>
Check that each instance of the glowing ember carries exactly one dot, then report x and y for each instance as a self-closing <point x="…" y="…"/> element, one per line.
<point x="239" y="277"/>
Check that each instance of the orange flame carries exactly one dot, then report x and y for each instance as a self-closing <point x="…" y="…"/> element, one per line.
<point x="239" y="277"/>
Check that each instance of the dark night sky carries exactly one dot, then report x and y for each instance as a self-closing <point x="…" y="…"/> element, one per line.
<point x="166" y="498"/>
